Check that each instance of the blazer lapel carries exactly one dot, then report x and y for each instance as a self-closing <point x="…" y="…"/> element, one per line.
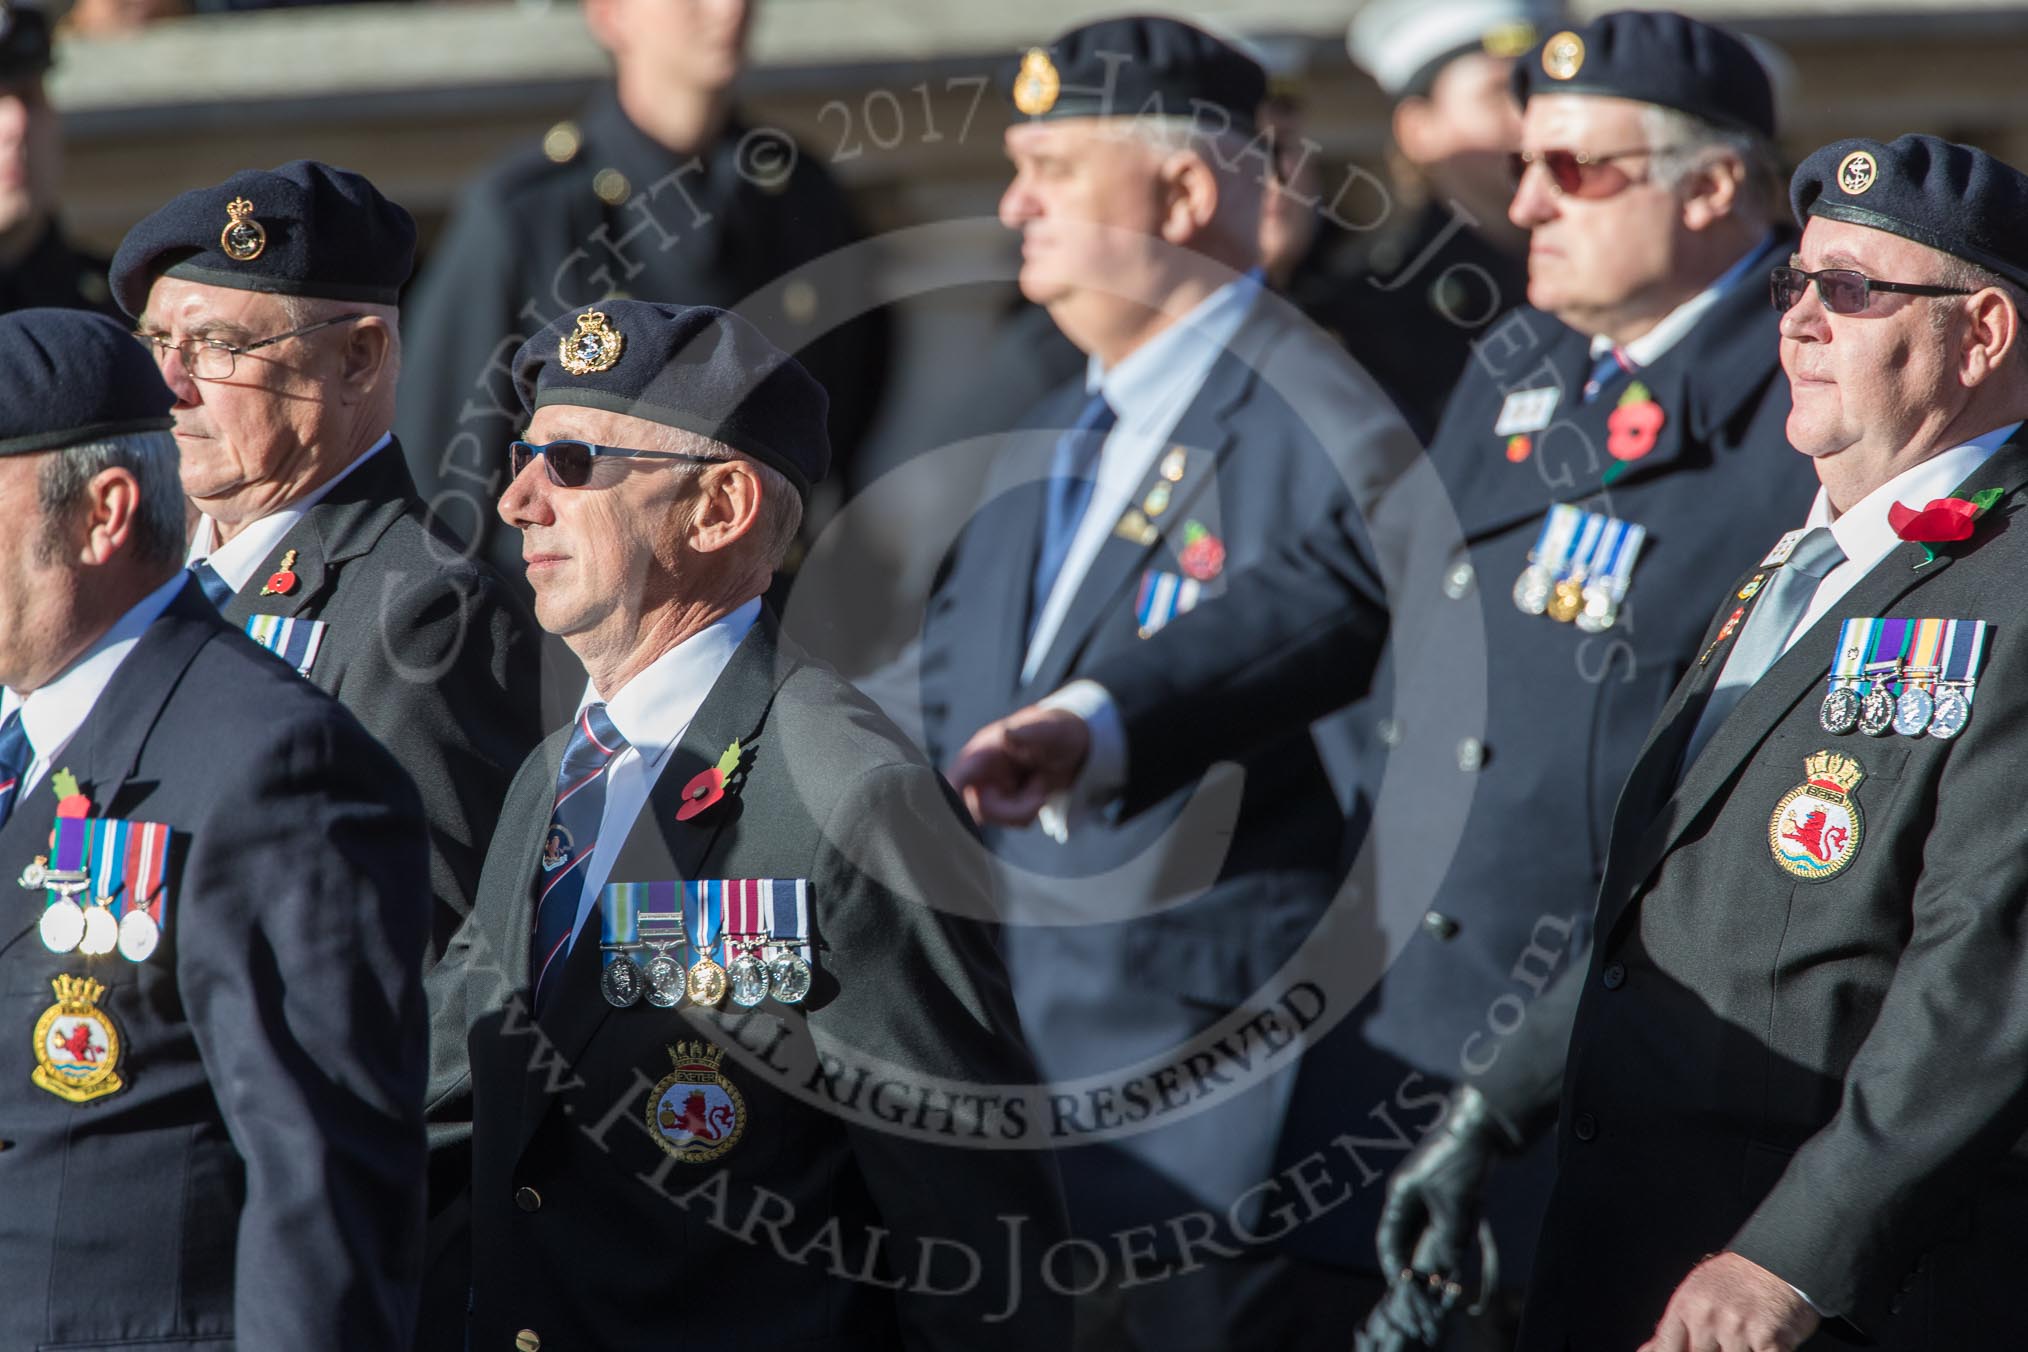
<point x="659" y="848"/>
<point x="1205" y="436"/>
<point x="107" y="746"/>
<point x="1799" y="672"/>
<point x="346" y="523"/>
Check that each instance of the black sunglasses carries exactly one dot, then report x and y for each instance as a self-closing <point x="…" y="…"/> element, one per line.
<point x="570" y="462"/>
<point x="1843" y="291"/>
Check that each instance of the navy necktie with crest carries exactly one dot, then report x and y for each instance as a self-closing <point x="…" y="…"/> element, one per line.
<point x="572" y="837"/>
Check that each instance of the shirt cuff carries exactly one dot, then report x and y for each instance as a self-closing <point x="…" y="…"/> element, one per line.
<point x="1800" y="1295"/>
<point x="1104" y="775"/>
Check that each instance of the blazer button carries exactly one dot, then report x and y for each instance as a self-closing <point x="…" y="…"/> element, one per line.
<point x="528" y="1340"/>
<point x="528" y="1199"/>
<point x="1440" y="925"/>
<point x="1471" y="754"/>
<point x="1613" y="977"/>
<point x="1584" y="1127"/>
<point x="1458" y="581"/>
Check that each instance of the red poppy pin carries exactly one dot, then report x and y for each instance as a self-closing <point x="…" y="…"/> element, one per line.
<point x="1519" y="448"/>
<point x="708" y="786"/>
<point x="1203" y="554"/>
<point x="1633" y="426"/>
<point x="283" y="580"/>
<point x="1943" y="521"/>
<point x="69" y="801"/>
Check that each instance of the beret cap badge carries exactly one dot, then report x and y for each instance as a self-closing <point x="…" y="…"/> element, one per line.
<point x="243" y="238"/>
<point x="1037" y="84"/>
<point x="594" y="347"/>
<point x="1856" y="173"/>
<point x="1563" y="55"/>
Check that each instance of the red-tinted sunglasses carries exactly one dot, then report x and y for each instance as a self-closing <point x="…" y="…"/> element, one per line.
<point x="570" y="462"/>
<point x="1579" y="173"/>
<point x="1843" y="291"/>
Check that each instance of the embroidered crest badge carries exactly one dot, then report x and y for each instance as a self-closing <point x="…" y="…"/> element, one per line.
<point x="695" y="1113"/>
<point x="77" y="1049"/>
<point x="1816" y="828"/>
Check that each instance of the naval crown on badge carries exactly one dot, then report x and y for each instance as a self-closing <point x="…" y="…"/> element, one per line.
<point x="243" y="238"/>
<point x="594" y="347"/>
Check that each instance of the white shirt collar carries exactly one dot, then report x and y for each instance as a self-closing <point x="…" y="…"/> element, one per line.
<point x="654" y="709"/>
<point x="1653" y="345"/>
<point x="1144" y="386"/>
<point x="237" y="558"/>
<point x="1863" y="532"/>
<point x="52" y="715"/>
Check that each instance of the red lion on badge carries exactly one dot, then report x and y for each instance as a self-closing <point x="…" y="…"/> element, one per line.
<point x="1824" y="846"/>
<point x="78" y="1045"/>
<point x="698" y="1119"/>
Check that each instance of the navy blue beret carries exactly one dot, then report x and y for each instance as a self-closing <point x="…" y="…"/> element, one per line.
<point x="1139" y="66"/>
<point x="703" y="370"/>
<point x="303" y="229"/>
<point x="1657" y="57"/>
<point x="72" y="376"/>
<point x="24" y="40"/>
<point x="1924" y="188"/>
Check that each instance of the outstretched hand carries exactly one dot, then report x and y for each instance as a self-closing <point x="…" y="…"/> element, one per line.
<point x="1012" y="766"/>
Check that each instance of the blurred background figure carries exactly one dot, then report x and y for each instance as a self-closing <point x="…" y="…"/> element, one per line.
<point x="656" y="190"/>
<point x="1440" y="262"/>
<point x="37" y="265"/>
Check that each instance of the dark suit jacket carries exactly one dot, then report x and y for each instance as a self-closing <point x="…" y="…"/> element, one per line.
<point x="1826" y="1077"/>
<point x="1133" y="936"/>
<point x="426" y="647"/>
<point x="577" y="1233"/>
<point x="255" y="1183"/>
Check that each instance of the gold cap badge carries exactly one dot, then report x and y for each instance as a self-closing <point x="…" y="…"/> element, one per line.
<point x="1856" y="173"/>
<point x="1563" y="55"/>
<point x="243" y="238"/>
<point x="595" y="347"/>
<point x="1038" y="84"/>
<point x="1508" y="39"/>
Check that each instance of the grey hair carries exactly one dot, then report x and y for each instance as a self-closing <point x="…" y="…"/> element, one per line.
<point x="1966" y="275"/>
<point x="153" y="460"/>
<point x="1224" y="152"/>
<point x="781" y="509"/>
<point x="1686" y="143"/>
<point x="301" y="311"/>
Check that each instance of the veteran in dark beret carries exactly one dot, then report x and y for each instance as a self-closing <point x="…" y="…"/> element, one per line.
<point x="720" y="899"/>
<point x="1614" y="452"/>
<point x="658" y="188"/>
<point x="270" y="302"/>
<point x="1792" y="1097"/>
<point x="212" y="1133"/>
<point x="38" y="265"/>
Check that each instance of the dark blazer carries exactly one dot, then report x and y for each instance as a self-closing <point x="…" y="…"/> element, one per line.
<point x="426" y="647"/>
<point x="1826" y="1077"/>
<point x="1135" y="935"/>
<point x="255" y="1183"/>
<point x="577" y="1230"/>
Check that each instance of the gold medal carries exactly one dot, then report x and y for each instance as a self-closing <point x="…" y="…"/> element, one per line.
<point x="77" y="1048"/>
<point x="1566" y="601"/>
<point x="706" y="984"/>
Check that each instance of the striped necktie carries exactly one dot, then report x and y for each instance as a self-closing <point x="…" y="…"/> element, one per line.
<point x="572" y="836"/>
<point x="1607" y="370"/>
<point x="15" y="758"/>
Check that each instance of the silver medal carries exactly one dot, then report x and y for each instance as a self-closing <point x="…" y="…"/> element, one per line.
<point x="1876" y="712"/>
<point x="747" y="979"/>
<point x="1600" y="610"/>
<point x="1840" y="713"/>
<point x="101" y="932"/>
<point x="33" y="876"/>
<point x="665" y="981"/>
<point x="1533" y="589"/>
<point x="139" y="935"/>
<point x="1912" y="711"/>
<point x="789" y="977"/>
<point x="621" y="982"/>
<point x="63" y="925"/>
<point x="1953" y="708"/>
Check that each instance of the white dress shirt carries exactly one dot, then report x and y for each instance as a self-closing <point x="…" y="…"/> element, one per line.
<point x="237" y="558"/>
<point x="1149" y="390"/>
<point x="52" y="715"/>
<point x="653" y="711"/>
